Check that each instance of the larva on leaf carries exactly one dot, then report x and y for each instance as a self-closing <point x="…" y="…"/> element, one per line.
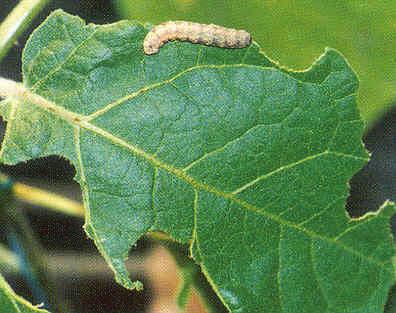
<point x="207" y="34"/>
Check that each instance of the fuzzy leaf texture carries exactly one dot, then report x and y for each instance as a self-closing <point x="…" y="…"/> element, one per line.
<point x="11" y="303"/>
<point x="221" y="149"/>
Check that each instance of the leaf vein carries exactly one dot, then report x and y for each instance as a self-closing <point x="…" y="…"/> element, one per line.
<point x="316" y="274"/>
<point x="321" y="211"/>
<point x="279" y="169"/>
<point x="60" y="66"/>
<point x="234" y="140"/>
<point x="143" y="90"/>
<point x="278" y="274"/>
<point x="153" y="190"/>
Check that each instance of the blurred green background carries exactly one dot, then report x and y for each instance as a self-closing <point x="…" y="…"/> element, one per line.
<point x="295" y="33"/>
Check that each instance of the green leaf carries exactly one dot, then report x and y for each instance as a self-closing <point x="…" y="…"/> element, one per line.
<point x="295" y="32"/>
<point x="11" y="303"/>
<point x="219" y="148"/>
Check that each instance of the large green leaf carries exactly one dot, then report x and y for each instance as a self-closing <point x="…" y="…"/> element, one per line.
<point x="247" y="163"/>
<point x="11" y="303"/>
<point x="294" y="32"/>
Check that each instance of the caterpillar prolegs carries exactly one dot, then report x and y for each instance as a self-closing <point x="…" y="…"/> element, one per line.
<point x="207" y="34"/>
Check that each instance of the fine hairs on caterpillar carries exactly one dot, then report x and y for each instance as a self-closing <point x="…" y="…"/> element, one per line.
<point x="207" y="34"/>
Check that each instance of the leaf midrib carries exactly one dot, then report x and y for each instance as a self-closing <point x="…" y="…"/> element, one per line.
<point x="82" y="122"/>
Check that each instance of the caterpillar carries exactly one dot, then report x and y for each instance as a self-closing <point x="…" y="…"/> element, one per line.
<point x="207" y="34"/>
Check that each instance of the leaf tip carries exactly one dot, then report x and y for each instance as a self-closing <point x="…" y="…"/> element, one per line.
<point x="138" y="285"/>
<point x="124" y="280"/>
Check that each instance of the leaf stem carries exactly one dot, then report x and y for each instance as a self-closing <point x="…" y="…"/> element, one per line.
<point x="43" y="198"/>
<point x="17" y="22"/>
<point x="7" y="87"/>
<point x="34" y="263"/>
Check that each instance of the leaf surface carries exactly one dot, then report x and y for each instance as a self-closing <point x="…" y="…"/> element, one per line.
<point x="247" y="162"/>
<point x="11" y="303"/>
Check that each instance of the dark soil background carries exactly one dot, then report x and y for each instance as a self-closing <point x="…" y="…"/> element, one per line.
<point x="369" y="188"/>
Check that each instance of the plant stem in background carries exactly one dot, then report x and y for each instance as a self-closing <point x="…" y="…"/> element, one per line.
<point x="44" y="198"/>
<point x="17" y="21"/>
<point x="31" y="257"/>
<point x="33" y="260"/>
